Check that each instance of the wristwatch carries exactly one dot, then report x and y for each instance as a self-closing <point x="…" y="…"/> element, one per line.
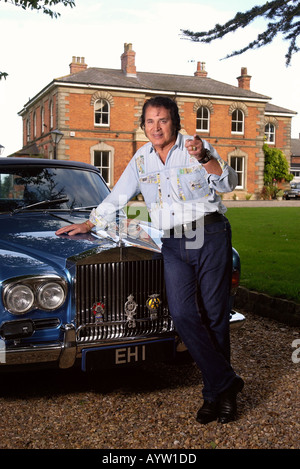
<point x="206" y="156"/>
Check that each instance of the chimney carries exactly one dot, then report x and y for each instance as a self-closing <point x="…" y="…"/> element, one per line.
<point x="200" y="72"/>
<point x="77" y="65"/>
<point x="244" y="79"/>
<point x="128" y="61"/>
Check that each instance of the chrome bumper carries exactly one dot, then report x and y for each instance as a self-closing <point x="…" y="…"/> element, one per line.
<point x="65" y="353"/>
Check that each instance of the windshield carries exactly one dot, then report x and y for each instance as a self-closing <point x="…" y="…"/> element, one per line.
<point x="23" y="186"/>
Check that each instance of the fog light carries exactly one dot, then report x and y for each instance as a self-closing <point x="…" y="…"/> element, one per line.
<point x="17" y="329"/>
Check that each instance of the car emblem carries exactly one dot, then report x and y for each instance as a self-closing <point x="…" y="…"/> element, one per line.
<point x="98" y="311"/>
<point x="130" y="311"/>
<point x="153" y="304"/>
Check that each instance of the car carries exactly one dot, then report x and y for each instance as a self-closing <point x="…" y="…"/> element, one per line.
<point x="293" y="192"/>
<point x="95" y="300"/>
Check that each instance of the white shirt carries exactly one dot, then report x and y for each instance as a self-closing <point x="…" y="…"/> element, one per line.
<point x="175" y="192"/>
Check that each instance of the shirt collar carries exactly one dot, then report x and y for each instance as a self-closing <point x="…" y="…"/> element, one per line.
<point x="178" y="144"/>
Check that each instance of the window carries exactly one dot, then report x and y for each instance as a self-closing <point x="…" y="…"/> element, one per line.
<point x="101" y="108"/>
<point x="42" y="120"/>
<point x="202" y="121"/>
<point x="270" y="133"/>
<point x="28" y="129"/>
<point x="238" y="164"/>
<point x="102" y="160"/>
<point x="51" y="115"/>
<point x="237" y="122"/>
<point x="34" y="124"/>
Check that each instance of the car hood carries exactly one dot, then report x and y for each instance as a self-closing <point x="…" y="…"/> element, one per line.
<point x="30" y="240"/>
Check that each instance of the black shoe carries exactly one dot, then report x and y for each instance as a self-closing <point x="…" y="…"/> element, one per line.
<point x="208" y="412"/>
<point x="227" y="401"/>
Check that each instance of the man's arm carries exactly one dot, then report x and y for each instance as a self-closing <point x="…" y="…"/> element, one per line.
<point x="223" y="178"/>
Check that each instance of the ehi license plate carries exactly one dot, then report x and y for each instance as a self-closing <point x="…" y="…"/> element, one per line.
<point x="128" y="354"/>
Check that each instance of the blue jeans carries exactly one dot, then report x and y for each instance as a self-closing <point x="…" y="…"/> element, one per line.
<point x="198" y="288"/>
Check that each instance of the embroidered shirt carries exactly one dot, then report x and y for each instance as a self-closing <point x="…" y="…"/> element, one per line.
<point x="175" y="192"/>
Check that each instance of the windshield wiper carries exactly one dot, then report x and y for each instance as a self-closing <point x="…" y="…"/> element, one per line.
<point x="40" y="204"/>
<point x="82" y="209"/>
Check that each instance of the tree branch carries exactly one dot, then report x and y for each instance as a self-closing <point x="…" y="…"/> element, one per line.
<point x="281" y="12"/>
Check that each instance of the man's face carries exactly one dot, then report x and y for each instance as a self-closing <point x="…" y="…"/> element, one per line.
<point x="159" y="127"/>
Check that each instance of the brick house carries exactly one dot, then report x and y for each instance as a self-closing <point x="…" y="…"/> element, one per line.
<point x="97" y="110"/>
<point x="295" y="158"/>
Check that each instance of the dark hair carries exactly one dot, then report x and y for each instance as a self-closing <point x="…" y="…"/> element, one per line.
<point x="167" y="103"/>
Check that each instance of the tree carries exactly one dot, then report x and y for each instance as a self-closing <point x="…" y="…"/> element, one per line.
<point x="283" y="14"/>
<point x="46" y="6"/>
<point x="276" y="166"/>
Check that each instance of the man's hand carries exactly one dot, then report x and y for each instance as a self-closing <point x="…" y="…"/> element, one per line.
<point x="194" y="146"/>
<point x="84" y="227"/>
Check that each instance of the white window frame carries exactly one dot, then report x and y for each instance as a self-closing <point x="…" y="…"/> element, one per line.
<point x="42" y="119"/>
<point x="103" y="167"/>
<point x="202" y="119"/>
<point x="270" y="133"/>
<point x="240" y="119"/>
<point x="51" y="115"/>
<point x="240" y="172"/>
<point x="28" y="129"/>
<point x="34" y="124"/>
<point x="102" y="114"/>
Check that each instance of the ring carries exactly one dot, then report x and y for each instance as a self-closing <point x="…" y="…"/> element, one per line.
<point x="194" y="148"/>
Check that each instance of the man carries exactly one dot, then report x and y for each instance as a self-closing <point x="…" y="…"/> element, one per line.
<point x="178" y="177"/>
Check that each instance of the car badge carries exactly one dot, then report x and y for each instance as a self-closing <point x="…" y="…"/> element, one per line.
<point x="130" y="311"/>
<point x="98" y="311"/>
<point x="153" y="303"/>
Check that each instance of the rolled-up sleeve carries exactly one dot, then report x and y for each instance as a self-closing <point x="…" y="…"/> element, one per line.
<point x="225" y="182"/>
<point x="125" y="188"/>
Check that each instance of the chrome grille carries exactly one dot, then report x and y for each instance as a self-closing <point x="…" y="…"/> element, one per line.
<point x="112" y="284"/>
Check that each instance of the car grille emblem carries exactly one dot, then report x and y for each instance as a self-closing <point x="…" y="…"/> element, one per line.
<point x="98" y="311"/>
<point x="153" y="303"/>
<point x="130" y="311"/>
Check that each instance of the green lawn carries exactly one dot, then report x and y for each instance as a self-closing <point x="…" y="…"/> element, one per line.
<point x="268" y="241"/>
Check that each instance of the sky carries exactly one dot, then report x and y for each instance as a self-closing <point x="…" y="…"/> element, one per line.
<point x="35" y="49"/>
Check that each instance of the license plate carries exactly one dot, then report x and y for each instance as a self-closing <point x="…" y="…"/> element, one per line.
<point x="115" y="356"/>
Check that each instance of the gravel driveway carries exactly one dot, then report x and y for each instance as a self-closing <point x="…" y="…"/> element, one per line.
<point x="155" y="407"/>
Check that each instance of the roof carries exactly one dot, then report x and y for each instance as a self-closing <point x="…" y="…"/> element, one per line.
<point x="272" y="109"/>
<point x="158" y="82"/>
<point x="295" y="144"/>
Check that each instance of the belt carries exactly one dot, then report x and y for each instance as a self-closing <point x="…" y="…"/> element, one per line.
<point x="208" y="219"/>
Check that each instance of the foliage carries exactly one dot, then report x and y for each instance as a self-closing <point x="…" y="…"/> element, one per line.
<point x="276" y="166"/>
<point x="44" y="5"/>
<point x="282" y="15"/>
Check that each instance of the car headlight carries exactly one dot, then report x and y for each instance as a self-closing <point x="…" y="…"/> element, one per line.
<point x="19" y="299"/>
<point x="50" y="296"/>
<point x="24" y="294"/>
